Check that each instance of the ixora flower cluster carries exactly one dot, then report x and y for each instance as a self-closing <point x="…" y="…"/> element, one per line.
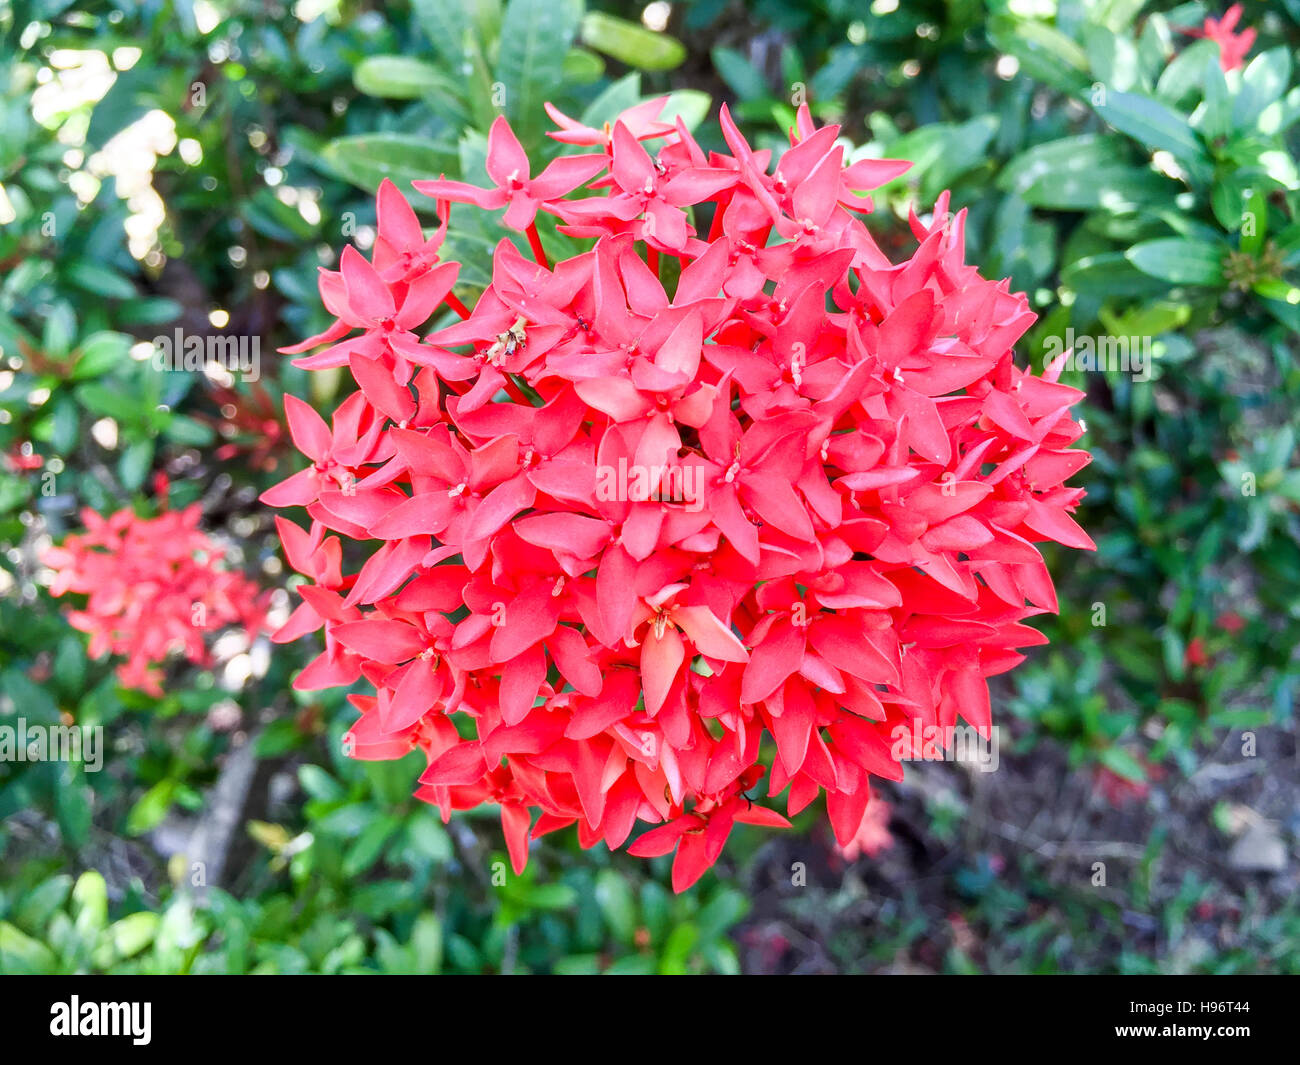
<point x="155" y="586"/>
<point x="1233" y="46"/>
<point x="619" y="527"/>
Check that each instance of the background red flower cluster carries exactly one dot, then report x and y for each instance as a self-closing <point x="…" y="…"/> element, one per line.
<point x="729" y="472"/>
<point x="155" y="587"/>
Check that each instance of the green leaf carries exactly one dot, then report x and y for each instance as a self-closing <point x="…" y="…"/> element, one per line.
<point x="1082" y="173"/>
<point x="1180" y="261"/>
<point x="365" y="160"/>
<point x="73" y="807"/>
<point x="189" y="432"/>
<point x="1117" y="15"/>
<point x="1277" y="289"/>
<point x="536" y="35"/>
<point x="1114" y="60"/>
<point x="90" y="903"/>
<point x="319" y="784"/>
<point x="446" y="23"/>
<point x="1044" y="53"/>
<point x="617" y="98"/>
<point x="617" y="906"/>
<point x="1120" y="761"/>
<point x="99" y="279"/>
<point x="1146" y="320"/>
<point x="1155" y="48"/>
<point x="133" y="933"/>
<point x="1174" y="652"/>
<point x="1118" y="190"/>
<point x="20" y="954"/>
<point x="691" y="105"/>
<point x="135" y="463"/>
<point x="39" y="904"/>
<point x="151" y="808"/>
<point x="546" y="896"/>
<point x="62" y="426"/>
<point x="677" y="950"/>
<point x="369" y="845"/>
<point x="1152" y="124"/>
<point x="100" y="399"/>
<point x="740" y="74"/>
<point x="632" y="965"/>
<point x="273" y="218"/>
<point x="631" y="44"/>
<point x="100" y="353"/>
<point x="723" y="910"/>
<point x="1215" y="116"/>
<point x="1254" y="221"/>
<point x="942" y="151"/>
<point x="14" y="492"/>
<point x="1263" y="82"/>
<point x="1109" y="274"/>
<point x="1280" y="115"/>
<point x="180" y="928"/>
<point x="582" y="67"/>
<point x="1185" y="71"/>
<point x="834" y="76"/>
<point x="1227" y="201"/>
<point x="151" y="310"/>
<point x="395" y="77"/>
<point x="60" y="330"/>
<point x="578" y="965"/>
<point x="132" y="95"/>
<point x="1281" y="167"/>
<point x="277" y="738"/>
<point x="426" y="944"/>
<point x="1287" y="243"/>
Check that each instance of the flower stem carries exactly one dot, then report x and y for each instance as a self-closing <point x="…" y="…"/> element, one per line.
<point x="457" y="306"/>
<point x="515" y="392"/>
<point x="535" y="242"/>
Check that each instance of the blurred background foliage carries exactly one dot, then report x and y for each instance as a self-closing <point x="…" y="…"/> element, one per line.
<point x="190" y="165"/>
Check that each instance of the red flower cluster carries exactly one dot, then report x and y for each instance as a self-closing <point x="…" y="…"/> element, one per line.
<point x="154" y="586"/>
<point x="1233" y="47"/>
<point x="629" y="514"/>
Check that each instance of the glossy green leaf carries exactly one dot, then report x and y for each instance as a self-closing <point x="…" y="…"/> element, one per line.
<point x="536" y="35"/>
<point x="1152" y="124"/>
<point x="1182" y="262"/>
<point x="631" y="44"/>
<point x="365" y="160"/>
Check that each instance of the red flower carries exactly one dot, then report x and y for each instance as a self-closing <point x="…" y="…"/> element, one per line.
<point x="1119" y="791"/>
<point x="873" y="835"/>
<point x="154" y="587"/>
<point x="616" y="532"/>
<point x="508" y="166"/>
<point x="1230" y="622"/>
<point x="1232" y="46"/>
<point x="22" y="459"/>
